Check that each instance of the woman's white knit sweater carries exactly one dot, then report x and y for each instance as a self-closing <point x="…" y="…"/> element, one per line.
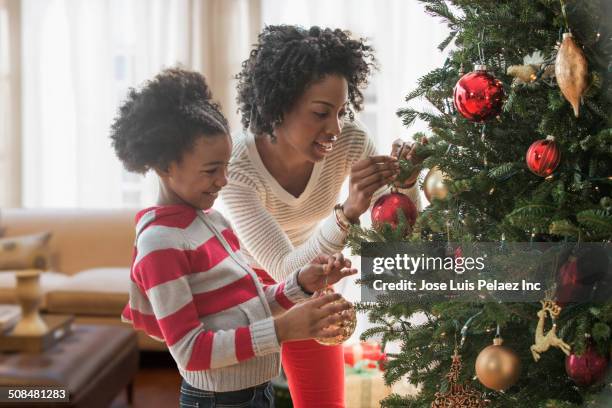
<point x="278" y="231"/>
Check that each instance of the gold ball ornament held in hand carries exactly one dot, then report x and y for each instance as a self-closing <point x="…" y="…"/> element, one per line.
<point x="498" y="367"/>
<point x="347" y="324"/>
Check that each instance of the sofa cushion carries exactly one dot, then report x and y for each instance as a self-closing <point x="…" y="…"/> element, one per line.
<point x="94" y="292"/>
<point x="82" y="238"/>
<point x="25" y="251"/>
<point x="48" y="281"/>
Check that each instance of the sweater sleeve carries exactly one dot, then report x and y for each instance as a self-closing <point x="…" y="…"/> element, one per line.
<point x="283" y="296"/>
<point x="266" y="241"/>
<point x="161" y="303"/>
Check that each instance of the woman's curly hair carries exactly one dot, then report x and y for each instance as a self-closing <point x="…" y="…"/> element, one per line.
<point x="158" y="123"/>
<point x="287" y="59"/>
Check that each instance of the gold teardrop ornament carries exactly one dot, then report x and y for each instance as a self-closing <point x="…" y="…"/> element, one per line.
<point x="571" y="71"/>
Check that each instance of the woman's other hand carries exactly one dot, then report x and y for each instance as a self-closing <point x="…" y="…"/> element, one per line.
<point x="367" y="176"/>
<point x="407" y="151"/>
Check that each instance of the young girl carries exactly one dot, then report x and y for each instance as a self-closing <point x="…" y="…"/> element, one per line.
<point x="190" y="285"/>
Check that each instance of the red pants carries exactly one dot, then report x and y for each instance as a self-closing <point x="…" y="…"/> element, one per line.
<point x="315" y="372"/>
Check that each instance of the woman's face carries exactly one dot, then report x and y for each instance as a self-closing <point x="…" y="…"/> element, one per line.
<point x="312" y="126"/>
<point x="202" y="171"/>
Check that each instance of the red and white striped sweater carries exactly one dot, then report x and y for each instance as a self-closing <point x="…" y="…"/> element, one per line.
<point x="192" y="288"/>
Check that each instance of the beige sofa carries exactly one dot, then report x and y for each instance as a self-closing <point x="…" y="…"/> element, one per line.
<point x="90" y="256"/>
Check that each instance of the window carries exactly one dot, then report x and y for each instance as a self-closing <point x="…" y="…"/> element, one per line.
<point x="81" y="57"/>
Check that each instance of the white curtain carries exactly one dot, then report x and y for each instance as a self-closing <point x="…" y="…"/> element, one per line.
<point x="80" y="57"/>
<point x="10" y="104"/>
<point x="405" y="40"/>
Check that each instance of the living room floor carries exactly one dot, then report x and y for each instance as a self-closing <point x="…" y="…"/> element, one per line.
<point x="156" y="385"/>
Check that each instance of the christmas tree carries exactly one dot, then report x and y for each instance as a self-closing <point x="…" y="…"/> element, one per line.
<point x="496" y="175"/>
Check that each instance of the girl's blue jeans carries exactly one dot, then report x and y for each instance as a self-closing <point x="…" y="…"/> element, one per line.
<point x="261" y="396"/>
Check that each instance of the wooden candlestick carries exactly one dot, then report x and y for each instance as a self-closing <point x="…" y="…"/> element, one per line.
<point x="29" y="295"/>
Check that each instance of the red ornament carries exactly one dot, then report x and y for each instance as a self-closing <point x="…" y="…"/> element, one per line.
<point x="587" y="369"/>
<point x="580" y="276"/>
<point x="478" y="95"/>
<point x="543" y="156"/>
<point x="458" y="252"/>
<point x="385" y="209"/>
<point x="567" y="281"/>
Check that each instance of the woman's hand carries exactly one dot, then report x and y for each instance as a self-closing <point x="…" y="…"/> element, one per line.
<point x="407" y="151"/>
<point x="324" y="269"/>
<point x="367" y="176"/>
<point x="311" y="319"/>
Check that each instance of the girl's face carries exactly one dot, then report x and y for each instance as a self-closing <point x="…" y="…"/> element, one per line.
<point x="197" y="178"/>
<point x="312" y="126"/>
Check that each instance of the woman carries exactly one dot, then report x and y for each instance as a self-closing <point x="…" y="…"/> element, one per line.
<point x="289" y="164"/>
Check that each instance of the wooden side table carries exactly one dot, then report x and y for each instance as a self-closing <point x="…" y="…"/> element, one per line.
<point x="94" y="363"/>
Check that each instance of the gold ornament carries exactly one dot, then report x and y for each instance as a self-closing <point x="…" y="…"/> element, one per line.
<point x="544" y="342"/>
<point x="523" y="73"/>
<point x="434" y="184"/>
<point x="458" y="395"/>
<point x="498" y="367"/>
<point x="571" y="71"/>
<point x="534" y="67"/>
<point x="528" y="73"/>
<point x="348" y="324"/>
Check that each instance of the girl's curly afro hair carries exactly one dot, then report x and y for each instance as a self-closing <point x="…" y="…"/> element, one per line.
<point x="159" y="122"/>
<point x="287" y="59"/>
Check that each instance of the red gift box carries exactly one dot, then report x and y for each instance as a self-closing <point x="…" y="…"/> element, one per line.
<point x="369" y="351"/>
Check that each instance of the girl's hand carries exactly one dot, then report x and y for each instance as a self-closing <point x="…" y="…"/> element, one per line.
<point x="407" y="151"/>
<point x="367" y="176"/>
<point x="311" y="319"/>
<point x="324" y="269"/>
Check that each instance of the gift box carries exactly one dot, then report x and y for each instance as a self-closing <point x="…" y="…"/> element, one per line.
<point x="364" y="351"/>
<point x="364" y="387"/>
